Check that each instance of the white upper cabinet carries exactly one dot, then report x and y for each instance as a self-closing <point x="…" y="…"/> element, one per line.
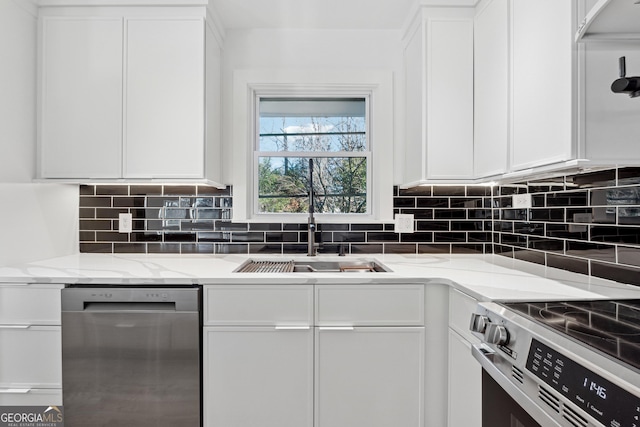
<point x="81" y="97"/>
<point x="542" y="89"/>
<point x="491" y="89"/>
<point x="123" y="94"/>
<point x="164" y="98"/>
<point x="438" y="66"/>
<point x="524" y="85"/>
<point x="542" y="102"/>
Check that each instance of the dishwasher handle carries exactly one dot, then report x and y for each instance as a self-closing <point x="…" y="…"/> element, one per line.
<point x="92" y="299"/>
<point x="104" y="307"/>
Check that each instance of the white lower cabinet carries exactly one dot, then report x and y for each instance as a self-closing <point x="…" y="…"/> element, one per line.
<point x="30" y="397"/>
<point x="465" y="384"/>
<point x="359" y="361"/>
<point x="465" y="372"/>
<point x="369" y="377"/>
<point x="258" y="376"/>
<point x="30" y="343"/>
<point x="31" y="356"/>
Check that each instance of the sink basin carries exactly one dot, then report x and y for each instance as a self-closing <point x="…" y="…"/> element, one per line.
<point x="312" y="266"/>
<point x="359" y="266"/>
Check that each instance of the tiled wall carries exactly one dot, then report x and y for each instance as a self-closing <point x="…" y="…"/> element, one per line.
<point x="586" y="223"/>
<point x="196" y="219"/>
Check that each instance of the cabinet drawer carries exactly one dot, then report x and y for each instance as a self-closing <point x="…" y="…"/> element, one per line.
<point x="256" y="305"/>
<point x="31" y="357"/>
<point x="30" y="397"/>
<point x="370" y="305"/>
<point x="461" y="306"/>
<point x="30" y="304"/>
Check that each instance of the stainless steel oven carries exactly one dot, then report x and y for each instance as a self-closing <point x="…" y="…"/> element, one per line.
<point x="567" y="364"/>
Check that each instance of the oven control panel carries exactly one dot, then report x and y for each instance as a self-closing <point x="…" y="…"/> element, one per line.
<point x="598" y="397"/>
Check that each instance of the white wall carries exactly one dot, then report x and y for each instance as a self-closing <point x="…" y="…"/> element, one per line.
<point x="36" y="220"/>
<point x="312" y="52"/>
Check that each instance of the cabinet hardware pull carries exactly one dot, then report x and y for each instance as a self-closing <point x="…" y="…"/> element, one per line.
<point x="292" y="327"/>
<point x="336" y="328"/>
<point x="15" y="326"/>
<point x="15" y="390"/>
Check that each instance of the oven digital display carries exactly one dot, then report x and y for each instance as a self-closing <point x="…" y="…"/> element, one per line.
<point x="600" y="398"/>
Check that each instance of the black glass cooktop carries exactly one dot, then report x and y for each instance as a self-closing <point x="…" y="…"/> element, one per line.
<point x="612" y="327"/>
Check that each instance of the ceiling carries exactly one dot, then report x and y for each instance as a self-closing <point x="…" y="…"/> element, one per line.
<point x="313" y="14"/>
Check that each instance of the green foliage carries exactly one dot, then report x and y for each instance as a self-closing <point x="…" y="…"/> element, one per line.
<point x="340" y="183"/>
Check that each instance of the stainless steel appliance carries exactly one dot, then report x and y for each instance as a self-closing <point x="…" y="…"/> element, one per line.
<point x="569" y="363"/>
<point x="131" y="356"/>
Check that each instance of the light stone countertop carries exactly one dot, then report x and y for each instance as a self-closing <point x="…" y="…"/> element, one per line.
<point x="485" y="277"/>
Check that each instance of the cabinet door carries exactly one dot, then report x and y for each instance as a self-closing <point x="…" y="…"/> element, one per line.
<point x="29" y="304"/>
<point x="258" y="377"/>
<point x="30" y="397"/>
<point x="164" y="98"/>
<point x="450" y="98"/>
<point x="258" y="305"/>
<point x="542" y="82"/>
<point x="465" y="384"/>
<point x="369" y="377"/>
<point x="31" y="356"/>
<point x="81" y="98"/>
<point x="491" y="84"/>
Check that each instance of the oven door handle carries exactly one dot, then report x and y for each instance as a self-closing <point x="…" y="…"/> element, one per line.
<point x="485" y="355"/>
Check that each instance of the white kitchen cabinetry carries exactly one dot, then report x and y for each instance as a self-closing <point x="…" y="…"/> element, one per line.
<point x="438" y="65"/>
<point x="525" y="86"/>
<point x="369" y="376"/>
<point x="360" y="363"/>
<point x="542" y="82"/>
<point x="122" y="94"/>
<point x="370" y="355"/>
<point x="81" y="97"/>
<point x="164" y="98"/>
<point x="465" y="373"/>
<point x="491" y="88"/>
<point x="258" y="376"/>
<point x="30" y="338"/>
<point x="260" y="371"/>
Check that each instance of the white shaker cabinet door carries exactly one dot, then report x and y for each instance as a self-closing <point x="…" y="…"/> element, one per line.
<point x="491" y="89"/>
<point x="369" y="376"/>
<point x="542" y="87"/>
<point x="81" y="97"/>
<point x="258" y="376"/>
<point x="164" y="98"/>
<point x="465" y="384"/>
<point x="31" y="357"/>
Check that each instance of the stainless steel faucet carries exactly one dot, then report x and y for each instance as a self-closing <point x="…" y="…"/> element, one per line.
<point x="311" y="239"/>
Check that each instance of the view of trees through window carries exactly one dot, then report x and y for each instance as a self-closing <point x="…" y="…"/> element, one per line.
<point x="332" y="132"/>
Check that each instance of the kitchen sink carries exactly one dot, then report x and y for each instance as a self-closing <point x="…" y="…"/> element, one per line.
<point x="312" y="266"/>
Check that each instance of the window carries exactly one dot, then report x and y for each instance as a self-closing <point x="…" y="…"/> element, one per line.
<point x="330" y="132"/>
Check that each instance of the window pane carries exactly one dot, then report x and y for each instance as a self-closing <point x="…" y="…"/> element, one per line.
<point x="340" y="184"/>
<point x="312" y="125"/>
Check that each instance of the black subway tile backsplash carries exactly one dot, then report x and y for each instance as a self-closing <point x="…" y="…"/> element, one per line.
<point x="590" y="221"/>
<point x="586" y="223"/>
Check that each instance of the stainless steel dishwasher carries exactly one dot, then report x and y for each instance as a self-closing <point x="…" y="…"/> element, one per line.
<point x="131" y="356"/>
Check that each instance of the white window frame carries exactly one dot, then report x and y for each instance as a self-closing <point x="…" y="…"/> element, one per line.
<point x="310" y="154"/>
<point x="376" y="86"/>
